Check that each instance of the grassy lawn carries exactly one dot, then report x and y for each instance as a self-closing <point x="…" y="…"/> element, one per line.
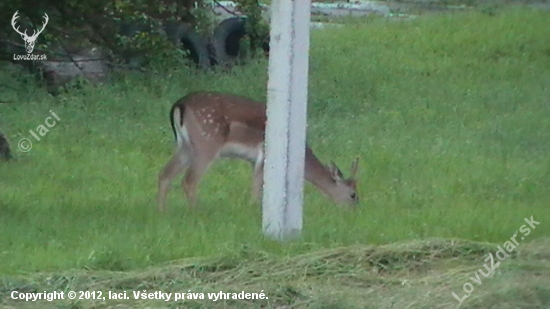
<point x="449" y="114"/>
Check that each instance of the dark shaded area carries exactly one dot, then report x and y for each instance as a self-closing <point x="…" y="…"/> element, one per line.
<point x="5" y="152"/>
<point x="91" y="39"/>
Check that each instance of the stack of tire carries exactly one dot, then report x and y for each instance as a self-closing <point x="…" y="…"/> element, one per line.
<point x="222" y="48"/>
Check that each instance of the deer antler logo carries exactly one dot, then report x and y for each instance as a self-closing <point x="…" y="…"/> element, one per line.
<point x="29" y="40"/>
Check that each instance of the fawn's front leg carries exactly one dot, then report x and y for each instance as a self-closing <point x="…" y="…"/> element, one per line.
<point x="258" y="182"/>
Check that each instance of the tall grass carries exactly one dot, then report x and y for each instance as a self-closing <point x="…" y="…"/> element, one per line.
<point x="449" y="114"/>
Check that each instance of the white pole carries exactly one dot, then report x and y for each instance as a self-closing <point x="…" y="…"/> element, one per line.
<point x="286" y="114"/>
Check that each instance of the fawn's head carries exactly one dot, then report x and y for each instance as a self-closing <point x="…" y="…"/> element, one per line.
<point x="345" y="189"/>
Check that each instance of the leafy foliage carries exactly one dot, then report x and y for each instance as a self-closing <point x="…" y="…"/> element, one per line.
<point x="123" y="28"/>
<point x="256" y="26"/>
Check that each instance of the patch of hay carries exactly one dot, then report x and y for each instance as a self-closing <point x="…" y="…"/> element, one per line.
<point x="419" y="274"/>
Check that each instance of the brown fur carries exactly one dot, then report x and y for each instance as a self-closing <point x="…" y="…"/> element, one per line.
<point x="222" y="125"/>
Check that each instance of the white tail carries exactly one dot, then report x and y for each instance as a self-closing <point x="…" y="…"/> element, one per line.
<point x="211" y="125"/>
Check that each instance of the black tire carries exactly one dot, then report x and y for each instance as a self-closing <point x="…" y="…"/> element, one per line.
<point x="225" y="41"/>
<point x="183" y="35"/>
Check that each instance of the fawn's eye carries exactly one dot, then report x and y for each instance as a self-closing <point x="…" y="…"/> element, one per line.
<point x="353" y="195"/>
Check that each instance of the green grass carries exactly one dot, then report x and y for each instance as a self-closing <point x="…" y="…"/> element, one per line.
<point x="449" y="115"/>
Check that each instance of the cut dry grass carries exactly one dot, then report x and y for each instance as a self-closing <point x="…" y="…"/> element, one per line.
<point x="419" y="274"/>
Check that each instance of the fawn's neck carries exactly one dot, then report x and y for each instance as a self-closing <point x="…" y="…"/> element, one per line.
<point x="316" y="173"/>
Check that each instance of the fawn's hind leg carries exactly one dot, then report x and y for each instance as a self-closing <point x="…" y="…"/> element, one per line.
<point x="179" y="161"/>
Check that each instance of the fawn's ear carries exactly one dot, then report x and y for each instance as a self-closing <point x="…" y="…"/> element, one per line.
<point x="354" y="167"/>
<point x="335" y="172"/>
